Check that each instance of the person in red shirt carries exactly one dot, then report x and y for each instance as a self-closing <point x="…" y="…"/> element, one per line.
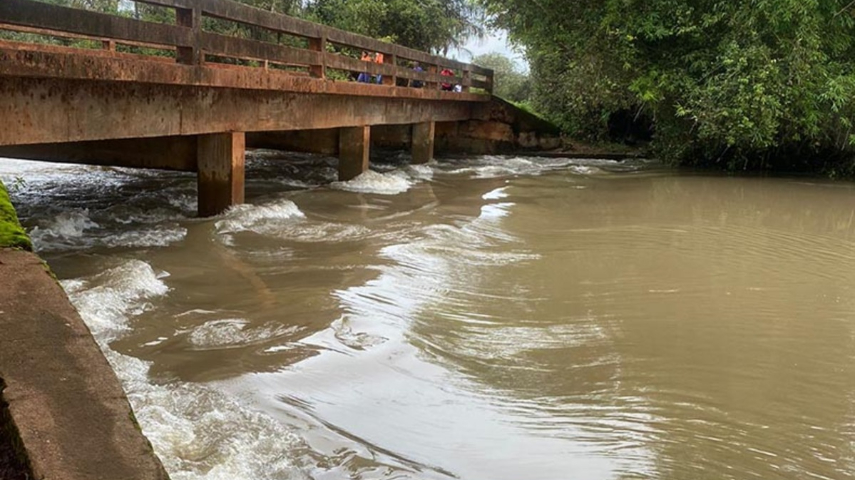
<point x="447" y="73"/>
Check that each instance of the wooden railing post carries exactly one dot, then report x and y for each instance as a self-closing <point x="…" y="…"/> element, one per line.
<point x="190" y="18"/>
<point x="319" y="45"/>
<point x="467" y="79"/>
<point x="433" y="70"/>
<point x="391" y="59"/>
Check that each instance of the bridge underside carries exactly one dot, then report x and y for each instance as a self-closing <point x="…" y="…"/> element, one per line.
<point x="106" y="108"/>
<point x="204" y="129"/>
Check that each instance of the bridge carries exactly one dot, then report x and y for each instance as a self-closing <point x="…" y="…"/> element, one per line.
<point x="79" y="86"/>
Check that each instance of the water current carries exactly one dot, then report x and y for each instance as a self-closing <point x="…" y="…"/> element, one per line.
<point x="480" y="318"/>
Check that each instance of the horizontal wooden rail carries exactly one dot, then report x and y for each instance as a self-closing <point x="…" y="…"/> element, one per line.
<point x="342" y="62"/>
<point x="238" y="12"/>
<point x="193" y="45"/>
<point x="214" y="44"/>
<point x="187" y="4"/>
<point x="106" y="43"/>
<point x="27" y="13"/>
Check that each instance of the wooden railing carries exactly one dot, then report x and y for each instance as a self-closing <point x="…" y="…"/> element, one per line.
<point x="310" y="49"/>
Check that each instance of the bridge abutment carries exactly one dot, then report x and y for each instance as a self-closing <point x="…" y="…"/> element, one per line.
<point x="221" y="162"/>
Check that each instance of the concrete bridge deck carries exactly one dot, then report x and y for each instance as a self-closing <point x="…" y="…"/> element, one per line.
<point x="202" y="98"/>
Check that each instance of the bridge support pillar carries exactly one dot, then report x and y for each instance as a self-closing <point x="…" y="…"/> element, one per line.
<point x="221" y="171"/>
<point x="422" y="145"/>
<point x="353" y="147"/>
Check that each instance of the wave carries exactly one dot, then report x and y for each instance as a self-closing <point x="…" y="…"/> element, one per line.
<point x="198" y="432"/>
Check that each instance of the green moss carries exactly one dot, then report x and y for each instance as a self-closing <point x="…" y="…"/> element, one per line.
<point x="12" y="235"/>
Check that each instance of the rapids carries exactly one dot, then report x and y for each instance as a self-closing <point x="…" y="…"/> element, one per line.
<point x="480" y="318"/>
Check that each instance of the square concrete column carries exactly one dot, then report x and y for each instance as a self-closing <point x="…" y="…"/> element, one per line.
<point x="353" y="147"/>
<point x="221" y="162"/>
<point x="422" y="147"/>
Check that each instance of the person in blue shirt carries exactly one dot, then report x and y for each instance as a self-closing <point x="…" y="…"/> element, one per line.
<point x="364" y="77"/>
<point x="417" y="83"/>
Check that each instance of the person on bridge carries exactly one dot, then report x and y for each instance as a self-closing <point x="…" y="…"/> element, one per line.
<point x="446" y="72"/>
<point x="417" y="83"/>
<point x="364" y="77"/>
<point x="378" y="58"/>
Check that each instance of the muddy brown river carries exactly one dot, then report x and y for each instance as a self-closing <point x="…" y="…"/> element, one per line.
<point x="478" y="318"/>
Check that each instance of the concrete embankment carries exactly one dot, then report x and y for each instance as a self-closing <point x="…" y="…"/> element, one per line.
<point x="63" y="413"/>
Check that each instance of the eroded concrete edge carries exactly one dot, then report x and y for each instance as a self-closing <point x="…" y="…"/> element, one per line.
<point x="67" y="417"/>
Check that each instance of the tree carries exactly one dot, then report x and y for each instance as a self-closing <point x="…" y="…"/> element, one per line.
<point x="429" y="25"/>
<point x="509" y="82"/>
<point x="737" y="83"/>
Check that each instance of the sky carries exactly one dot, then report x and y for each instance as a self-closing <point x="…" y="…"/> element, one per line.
<point x="495" y="41"/>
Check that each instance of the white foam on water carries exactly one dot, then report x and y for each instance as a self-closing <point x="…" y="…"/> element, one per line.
<point x="283" y="219"/>
<point x="129" y="215"/>
<point x="392" y="183"/>
<point x="106" y="300"/>
<point x="233" y="333"/>
<point x="585" y="170"/>
<point x="495" y="211"/>
<point x="198" y="432"/>
<point x="492" y="166"/>
<point x="161" y="236"/>
<point x="496" y="194"/>
<point x="323" y="232"/>
<point x="420" y="172"/>
<point x="63" y="230"/>
<point x="75" y="229"/>
<point x="258" y="218"/>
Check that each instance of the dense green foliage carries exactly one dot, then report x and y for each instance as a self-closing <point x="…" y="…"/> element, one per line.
<point x="429" y="25"/>
<point x="738" y="83"/>
<point x="509" y="82"/>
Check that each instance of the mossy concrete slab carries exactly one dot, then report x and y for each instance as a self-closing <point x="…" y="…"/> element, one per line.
<point x="11" y="233"/>
<point x="69" y="408"/>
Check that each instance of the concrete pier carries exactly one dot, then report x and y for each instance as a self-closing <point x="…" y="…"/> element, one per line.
<point x="353" y="147"/>
<point x="221" y="163"/>
<point x="423" y="141"/>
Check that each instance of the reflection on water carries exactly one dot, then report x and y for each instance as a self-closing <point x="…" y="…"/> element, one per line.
<point x="479" y="318"/>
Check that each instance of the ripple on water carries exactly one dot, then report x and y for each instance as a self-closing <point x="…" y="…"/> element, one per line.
<point x="198" y="432"/>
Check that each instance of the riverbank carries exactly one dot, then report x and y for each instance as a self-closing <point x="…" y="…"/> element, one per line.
<point x="13" y="462"/>
<point x="63" y="413"/>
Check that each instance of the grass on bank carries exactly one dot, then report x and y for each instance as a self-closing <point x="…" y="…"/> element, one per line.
<point x="12" y="235"/>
